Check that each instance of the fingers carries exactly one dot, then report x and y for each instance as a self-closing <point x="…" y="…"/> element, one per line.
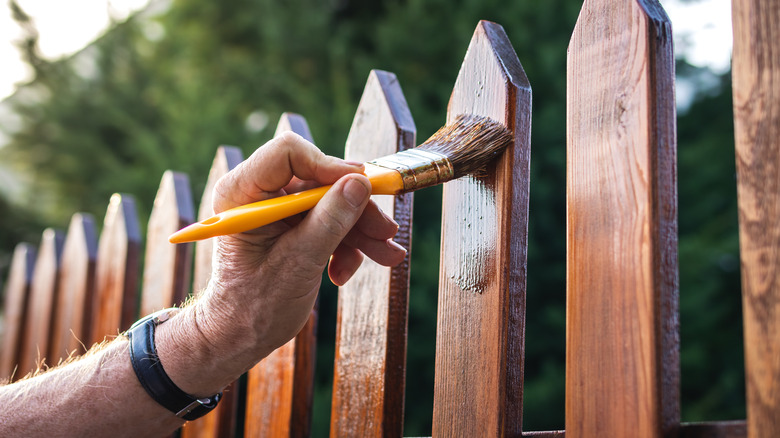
<point x="343" y="264"/>
<point x="319" y="234"/>
<point x="272" y="166"/>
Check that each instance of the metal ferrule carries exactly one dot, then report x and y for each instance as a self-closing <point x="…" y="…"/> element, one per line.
<point x="418" y="168"/>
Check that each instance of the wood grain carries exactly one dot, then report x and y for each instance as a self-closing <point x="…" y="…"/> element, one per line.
<point x="17" y="292"/>
<point x="370" y="362"/>
<point x="167" y="267"/>
<point x="43" y="294"/>
<point x="756" y="92"/>
<point x="280" y="389"/>
<point x="221" y="422"/>
<point x="482" y="276"/>
<point x="73" y="310"/>
<point x="116" y="289"/>
<point x="622" y="364"/>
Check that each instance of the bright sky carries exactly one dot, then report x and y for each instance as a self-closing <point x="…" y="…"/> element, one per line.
<point x="702" y="30"/>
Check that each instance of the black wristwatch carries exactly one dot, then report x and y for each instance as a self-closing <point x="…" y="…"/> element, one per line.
<point x="152" y="376"/>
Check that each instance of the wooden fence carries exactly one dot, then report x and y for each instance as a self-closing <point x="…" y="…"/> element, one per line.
<point x="622" y="365"/>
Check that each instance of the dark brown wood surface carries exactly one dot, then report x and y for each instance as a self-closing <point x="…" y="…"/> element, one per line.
<point x="36" y="336"/>
<point x="221" y="422"/>
<point x="167" y="267"/>
<point x="280" y="389"/>
<point x="370" y="362"/>
<point x="622" y="365"/>
<point x="116" y="284"/>
<point x="756" y="89"/>
<point x="17" y="292"/>
<point x="482" y="277"/>
<point x="73" y="311"/>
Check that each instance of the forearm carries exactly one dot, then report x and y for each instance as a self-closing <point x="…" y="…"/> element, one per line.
<point x="100" y="395"/>
<point x="96" y="395"/>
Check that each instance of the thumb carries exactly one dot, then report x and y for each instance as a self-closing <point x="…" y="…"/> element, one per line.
<point x="326" y="225"/>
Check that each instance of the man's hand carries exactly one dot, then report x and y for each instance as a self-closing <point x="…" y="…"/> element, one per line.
<point x="265" y="281"/>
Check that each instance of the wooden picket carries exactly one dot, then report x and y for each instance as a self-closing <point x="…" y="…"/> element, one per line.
<point x="17" y="293"/>
<point x="72" y="313"/>
<point x="369" y="369"/>
<point x="117" y="270"/>
<point x="280" y="388"/>
<point x="222" y="421"/>
<point x="167" y="267"/>
<point x="36" y="333"/>
<point x="756" y="90"/>
<point x="622" y="364"/>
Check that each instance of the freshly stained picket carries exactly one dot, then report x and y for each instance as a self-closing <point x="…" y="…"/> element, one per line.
<point x="36" y="335"/>
<point x="167" y="267"/>
<point x="280" y="388"/>
<point x="221" y="422"/>
<point x="481" y="316"/>
<point x="622" y="365"/>
<point x="370" y="363"/>
<point x="756" y="89"/>
<point x="72" y="316"/>
<point x="17" y="292"/>
<point x="117" y="270"/>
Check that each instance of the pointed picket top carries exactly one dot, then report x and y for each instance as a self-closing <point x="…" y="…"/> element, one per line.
<point x="481" y="317"/>
<point x="370" y="362"/>
<point x="622" y="322"/>
<point x="221" y="421"/>
<point x="167" y="266"/>
<point x="116" y="288"/>
<point x="280" y="389"/>
<point x="17" y="291"/>
<point x="227" y="158"/>
<point x="72" y="314"/>
<point x="37" y="329"/>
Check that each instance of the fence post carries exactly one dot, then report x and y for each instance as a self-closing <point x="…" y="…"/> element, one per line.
<point x="73" y="310"/>
<point x="370" y="357"/>
<point x="117" y="269"/>
<point x="167" y="267"/>
<point x="36" y="336"/>
<point x="17" y="292"/>
<point x="280" y="389"/>
<point x="622" y="360"/>
<point x="756" y="89"/>
<point x="482" y="277"/>
<point x="222" y="421"/>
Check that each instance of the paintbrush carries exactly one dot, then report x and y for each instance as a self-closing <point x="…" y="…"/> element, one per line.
<point x="462" y="147"/>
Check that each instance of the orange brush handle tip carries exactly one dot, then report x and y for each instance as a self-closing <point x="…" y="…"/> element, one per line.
<point x="257" y="214"/>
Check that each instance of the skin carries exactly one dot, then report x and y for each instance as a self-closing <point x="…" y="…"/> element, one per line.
<point x="263" y="287"/>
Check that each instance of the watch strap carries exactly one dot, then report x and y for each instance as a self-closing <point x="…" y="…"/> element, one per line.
<point x="154" y="379"/>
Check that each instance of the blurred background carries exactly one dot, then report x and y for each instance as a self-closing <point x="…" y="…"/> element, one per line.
<point x="103" y="96"/>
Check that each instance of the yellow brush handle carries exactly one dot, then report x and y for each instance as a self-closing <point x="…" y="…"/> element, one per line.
<point x="257" y="214"/>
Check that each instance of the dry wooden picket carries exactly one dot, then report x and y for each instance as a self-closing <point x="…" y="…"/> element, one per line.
<point x="36" y="334"/>
<point x="222" y="421"/>
<point x="622" y="360"/>
<point x="117" y="270"/>
<point x="17" y="293"/>
<point x="280" y="389"/>
<point x="72" y="313"/>
<point x="622" y="366"/>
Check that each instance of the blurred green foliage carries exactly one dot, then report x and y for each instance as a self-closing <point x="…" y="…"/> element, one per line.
<point x="162" y="90"/>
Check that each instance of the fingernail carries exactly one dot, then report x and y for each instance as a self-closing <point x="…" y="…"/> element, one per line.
<point x="355" y="192"/>
<point x="395" y="246"/>
<point x="354" y="163"/>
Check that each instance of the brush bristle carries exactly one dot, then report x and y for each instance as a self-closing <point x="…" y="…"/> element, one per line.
<point x="470" y="142"/>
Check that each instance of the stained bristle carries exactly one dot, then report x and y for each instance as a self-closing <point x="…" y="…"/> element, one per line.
<point x="470" y="142"/>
